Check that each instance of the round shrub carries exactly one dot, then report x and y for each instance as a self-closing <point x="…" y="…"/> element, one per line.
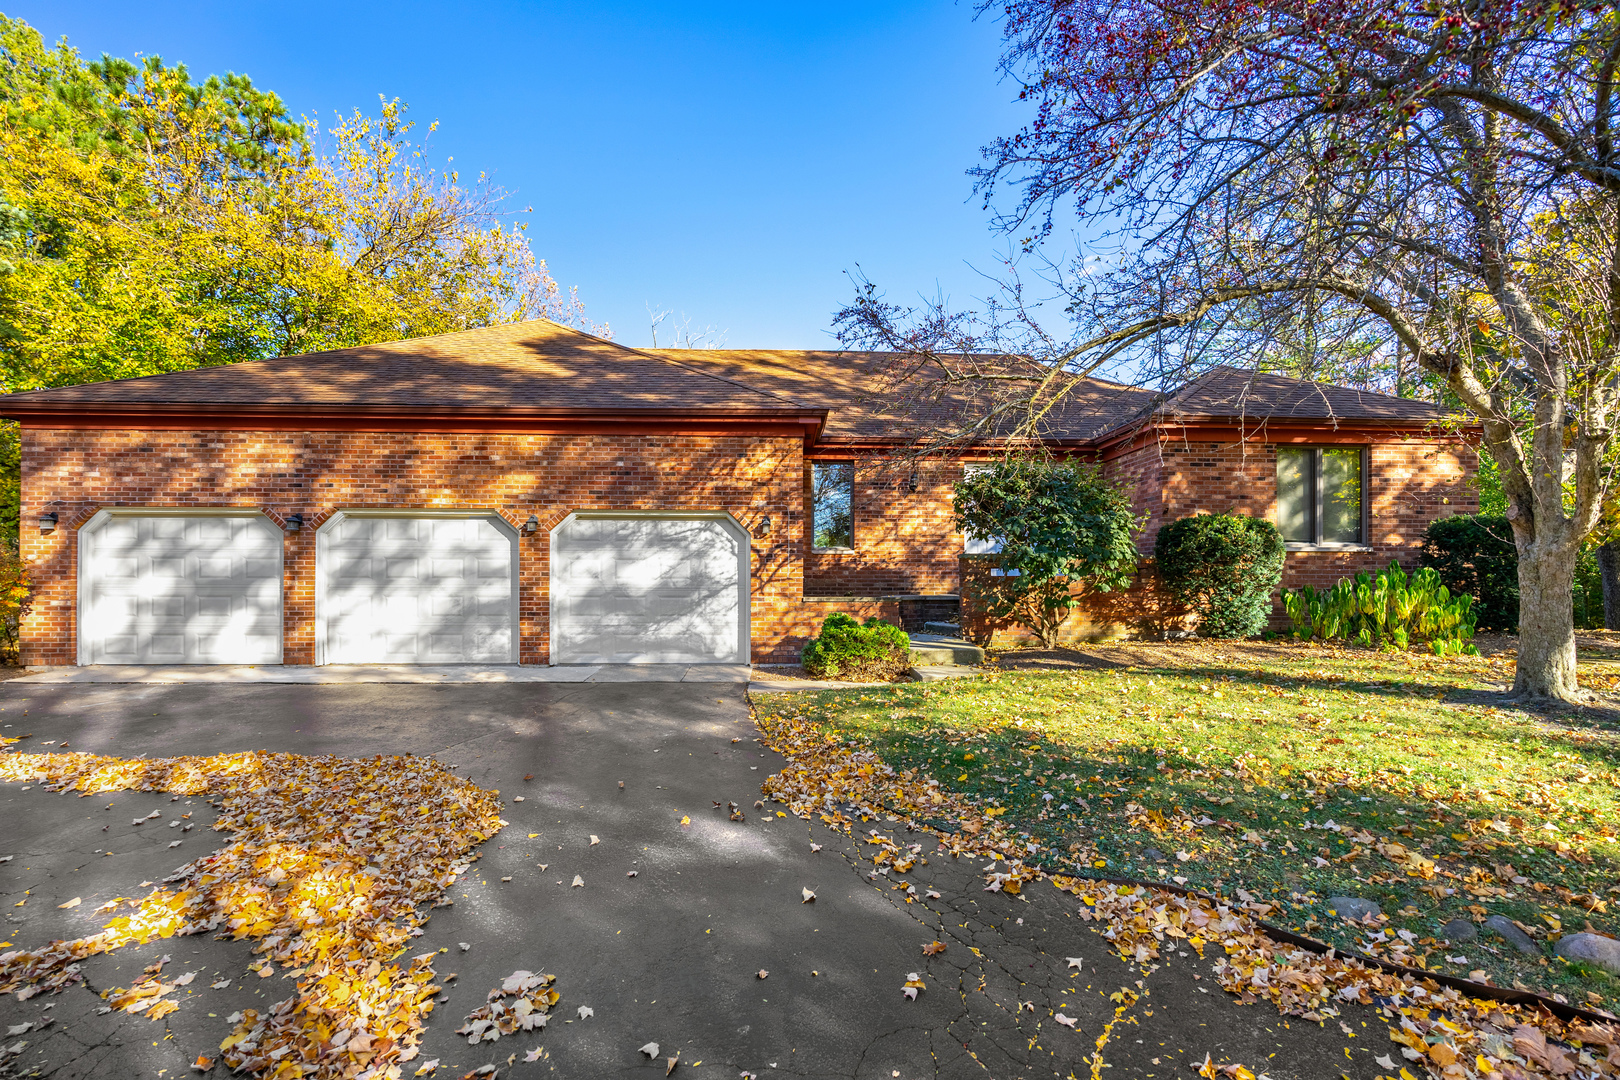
<point x="1223" y="567"/>
<point x="876" y="652"/>
<point x="1475" y="554"/>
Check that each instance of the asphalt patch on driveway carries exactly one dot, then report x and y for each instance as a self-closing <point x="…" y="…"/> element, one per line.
<point x="670" y="955"/>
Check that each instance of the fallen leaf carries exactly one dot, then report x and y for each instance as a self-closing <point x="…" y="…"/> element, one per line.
<point x="203" y="1063"/>
<point x="1384" y="1061"/>
<point x="670" y="1063"/>
<point x="651" y="1050"/>
<point x="185" y="980"/>
<point x="933" y="948"/>
<point x="1076" y="962"/>
<point x="762" y="974"/>
<point x="428" y="1067"/>
<point x="809" y="897"/>
<point x="595" y="840"/>
<point x="684" y="822"/>
<point x="586" y="1011"/>
<point x="815" y="848"/>
<point x="579" y="882"/>
<point x="19" y="1029"/>
<point x="70" y="904"/>
<point x="630" y="873"/>
<point x="1066" y="1021"/>
<point x="533" y="1055"/>
<point x="463" y="946"/>
<point x="221" y="985"/>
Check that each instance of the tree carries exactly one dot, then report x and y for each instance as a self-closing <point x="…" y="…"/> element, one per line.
<point x="1443" y="177"/>
<point x="1059" y="523"/>
<point x="151" y="223"/>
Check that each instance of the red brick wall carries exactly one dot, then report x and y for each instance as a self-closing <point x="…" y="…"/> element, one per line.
<point x="77" y="472"/>
<point x="905" y="542"/>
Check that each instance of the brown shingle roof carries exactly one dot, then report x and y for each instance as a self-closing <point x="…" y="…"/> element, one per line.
<point x="1228" y="393"/>
<point x="535" y="365"/>
<point x="845" y="384"/>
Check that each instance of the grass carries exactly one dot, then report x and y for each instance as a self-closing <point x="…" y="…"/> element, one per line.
<point x="1219" y="767"/>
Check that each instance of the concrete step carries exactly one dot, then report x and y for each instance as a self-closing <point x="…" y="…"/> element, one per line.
<point x="944" y="629"/>
<point x="934" y="650"/>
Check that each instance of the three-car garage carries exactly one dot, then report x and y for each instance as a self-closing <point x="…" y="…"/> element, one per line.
<point x="189" y="586"/>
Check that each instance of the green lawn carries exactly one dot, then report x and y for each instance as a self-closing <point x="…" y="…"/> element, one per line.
<point x="1294" y="774"/>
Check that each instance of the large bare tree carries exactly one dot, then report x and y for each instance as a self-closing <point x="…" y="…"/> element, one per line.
<point x="1434" y="181"/>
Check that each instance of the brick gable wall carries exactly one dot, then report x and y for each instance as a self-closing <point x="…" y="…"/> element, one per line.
<point x="77" y="472"/>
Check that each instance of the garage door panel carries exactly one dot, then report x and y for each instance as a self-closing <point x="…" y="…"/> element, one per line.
<point x="407" y="590"/>
<point x="647" y="590"/>
<point x="180" y="589"/>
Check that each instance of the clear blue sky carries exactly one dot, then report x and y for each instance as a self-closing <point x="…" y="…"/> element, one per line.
<point x="728" y="161"/>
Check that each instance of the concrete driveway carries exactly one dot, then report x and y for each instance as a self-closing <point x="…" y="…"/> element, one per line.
<point x="671" y="955"/>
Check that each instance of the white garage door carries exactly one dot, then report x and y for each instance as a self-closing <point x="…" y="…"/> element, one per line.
<point x="648" y="590"/>
<point x="417" y="589"/>
<point x="171" y="589"/>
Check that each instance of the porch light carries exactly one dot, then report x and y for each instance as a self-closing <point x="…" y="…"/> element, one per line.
<point x="532" y="526"/>
<point x="47" y="522"/>
<point x="295" y="522"/>
<point x="764" y="526"/>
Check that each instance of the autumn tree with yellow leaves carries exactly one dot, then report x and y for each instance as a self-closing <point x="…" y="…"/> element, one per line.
<point x="151" y="223"/>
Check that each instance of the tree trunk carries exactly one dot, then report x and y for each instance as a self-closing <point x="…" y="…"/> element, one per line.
<point x="1546" y="665"/>
<point x="1608" y="557"/>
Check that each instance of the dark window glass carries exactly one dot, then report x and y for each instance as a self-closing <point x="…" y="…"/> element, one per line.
<point x="1295" y="495"/>
<point x="1319" y="496"/>
<point x="1341" y="496"/>
<point x="832" y="490"/>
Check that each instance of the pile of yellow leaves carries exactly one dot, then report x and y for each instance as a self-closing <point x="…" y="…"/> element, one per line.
<point x="331" y="864"/>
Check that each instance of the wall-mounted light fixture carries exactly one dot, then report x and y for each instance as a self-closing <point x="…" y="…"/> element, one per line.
<point x="47" y="522"/>
<point x="911" y="484"/>
<point x="295" y="522"/>
<point x="764" y="527"/>
<point x="532" y="526"/>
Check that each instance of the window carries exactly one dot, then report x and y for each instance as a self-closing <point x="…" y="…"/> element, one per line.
<point x="832" y="488"/>
<point x="979" y="545"/>
<point x="1319" y="495"/>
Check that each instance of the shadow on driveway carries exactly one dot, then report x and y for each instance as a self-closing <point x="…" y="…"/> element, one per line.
<point x="668" y="956"/>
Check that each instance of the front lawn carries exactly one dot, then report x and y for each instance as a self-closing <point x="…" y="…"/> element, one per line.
<point x="1290" y="774"/>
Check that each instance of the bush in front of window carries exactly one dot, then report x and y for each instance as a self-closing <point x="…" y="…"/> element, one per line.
<point x="1475" y="554"/>
<point x="1059" y="524"/>
<point x="1222" y="567"/>
<point x="845" y="649"/>
<point x="1392" y="610"/>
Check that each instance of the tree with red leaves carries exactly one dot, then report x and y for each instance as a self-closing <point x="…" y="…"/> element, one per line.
<point x="1439" y="178"/>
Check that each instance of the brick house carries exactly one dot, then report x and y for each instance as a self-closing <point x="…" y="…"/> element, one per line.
<point x="530" y="494"/>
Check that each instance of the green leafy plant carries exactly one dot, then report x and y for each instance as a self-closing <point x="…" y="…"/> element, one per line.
<point x="1475" y="554"/>
<point x="1392" y="609"/>
<point x="1059" y="524"/>
<point x="845" y="649"/>
<point x="16" y="599"/>
<point x="1223" y="567"/>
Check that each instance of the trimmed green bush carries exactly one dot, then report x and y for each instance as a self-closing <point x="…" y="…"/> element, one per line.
<point x="1223" y="567"/>
<point x="1392" y="609"/>
<point x="1475" y="555"/>
<point x="876" y="652"/>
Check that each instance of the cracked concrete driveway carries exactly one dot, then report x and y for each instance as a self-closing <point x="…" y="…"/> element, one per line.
<point x="671" y="955"/>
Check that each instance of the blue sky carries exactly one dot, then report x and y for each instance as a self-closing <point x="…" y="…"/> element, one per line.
<point x="725" y="161"/>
